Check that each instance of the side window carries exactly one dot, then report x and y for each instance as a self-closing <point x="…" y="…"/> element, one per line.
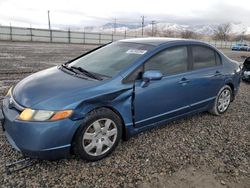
<point x="203" y="57"/>
<point x="137" y="74"/>
<point x="218" y="58"/>
<point x="171" y="61"/>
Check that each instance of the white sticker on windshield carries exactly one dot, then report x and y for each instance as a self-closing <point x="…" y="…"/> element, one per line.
<point x="135" y="51"/>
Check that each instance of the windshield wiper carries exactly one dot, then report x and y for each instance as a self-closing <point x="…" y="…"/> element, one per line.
<point x="68" y="68"/>
<point x="80" y="69"/>
<point x="84" y="71"/>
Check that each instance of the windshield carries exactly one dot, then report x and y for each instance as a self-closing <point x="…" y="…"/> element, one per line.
<point x="111" y="59"/>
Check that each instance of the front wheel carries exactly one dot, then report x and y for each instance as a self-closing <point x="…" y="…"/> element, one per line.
<point x="98" y="136"/>
<point x="222" y="101"/>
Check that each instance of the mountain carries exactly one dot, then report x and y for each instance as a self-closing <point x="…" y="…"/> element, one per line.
<point x="118" y="25"/>
<point x="204" y="29"/>
<point x="236" y="28"/>
<point x="240" y="28"/>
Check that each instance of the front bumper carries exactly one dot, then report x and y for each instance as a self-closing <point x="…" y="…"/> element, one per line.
<point x="246" y="75"/>
<point x="42" y="140"/>
<point x="235" y="48"/>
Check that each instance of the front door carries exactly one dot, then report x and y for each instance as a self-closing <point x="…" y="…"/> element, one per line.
<point x="168" y="97"/>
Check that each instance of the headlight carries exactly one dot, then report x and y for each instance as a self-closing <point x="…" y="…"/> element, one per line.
<point x="43" y="115"/>
<point x="9" y="92"/>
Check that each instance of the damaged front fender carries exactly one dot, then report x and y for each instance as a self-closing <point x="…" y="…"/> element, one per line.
<point x="120" y="101"/>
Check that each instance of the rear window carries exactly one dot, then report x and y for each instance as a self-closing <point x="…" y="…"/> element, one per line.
<point x="218" y="58"/>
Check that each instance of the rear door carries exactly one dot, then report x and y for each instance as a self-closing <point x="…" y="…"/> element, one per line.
<point x="206" y="77"/>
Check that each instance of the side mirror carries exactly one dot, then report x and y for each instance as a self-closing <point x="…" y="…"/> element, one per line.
<point x="150" y="76"/>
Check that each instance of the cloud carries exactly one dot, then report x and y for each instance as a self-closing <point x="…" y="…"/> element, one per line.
<point x="78" y="13"/>
<point x="222" y="13"/>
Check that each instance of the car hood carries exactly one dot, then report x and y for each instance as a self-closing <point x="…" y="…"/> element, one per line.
<point x="49" y="84"/>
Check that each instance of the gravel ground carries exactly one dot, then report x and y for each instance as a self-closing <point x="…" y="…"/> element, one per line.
<point x="198" y="151"/>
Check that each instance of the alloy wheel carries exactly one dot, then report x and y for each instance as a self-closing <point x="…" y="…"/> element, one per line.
<point x="99" y="137"/>
<point x="224" y="100"/>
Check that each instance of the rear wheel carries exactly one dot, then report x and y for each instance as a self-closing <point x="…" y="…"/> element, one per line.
<point x="98" y="135"/>
<point x="222" y="101"/>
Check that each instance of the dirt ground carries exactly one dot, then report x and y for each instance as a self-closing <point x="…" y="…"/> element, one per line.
<point x="198" y="151"/>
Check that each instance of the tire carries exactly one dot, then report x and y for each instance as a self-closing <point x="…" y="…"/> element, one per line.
<point x="98" y="135"/>
<point x="222" y="101"/>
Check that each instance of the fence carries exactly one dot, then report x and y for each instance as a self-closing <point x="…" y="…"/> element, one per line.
<point x="10" y="33"/>
<point x="58" y="36"/>
<point x="224" y="44"/>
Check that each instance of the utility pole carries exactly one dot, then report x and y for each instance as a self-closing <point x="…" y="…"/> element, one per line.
<point x="242" y="36"/>
<point x="31" y="33"/>
<point x="50" y="31"/>
<point x="115" y="26"/>
<point x="49" y="20"/>
<point x="152" y="29"/>
<point x="142" y="24"/>
<point x="10" y="31"/>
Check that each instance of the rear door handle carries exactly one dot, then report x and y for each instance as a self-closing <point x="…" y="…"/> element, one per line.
<point x="184" y="81"/>
<point x="217" y="73"/>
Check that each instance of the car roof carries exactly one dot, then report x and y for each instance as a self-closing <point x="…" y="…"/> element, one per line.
<point x="155" y="41"/>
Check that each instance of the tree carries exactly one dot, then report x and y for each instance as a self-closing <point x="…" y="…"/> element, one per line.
<point x="222" y="32"/>
<point x="187" y="34"/>
<point x="243" y="32"/>
<point x="167" y="33"/>
<point x="247" y="37"/>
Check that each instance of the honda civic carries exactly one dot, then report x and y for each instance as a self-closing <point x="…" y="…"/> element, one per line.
<point x="87" y="105"/>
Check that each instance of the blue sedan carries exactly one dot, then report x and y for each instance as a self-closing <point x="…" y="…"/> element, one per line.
<point x="240" y="47"/>
<point x="86" y="106"/>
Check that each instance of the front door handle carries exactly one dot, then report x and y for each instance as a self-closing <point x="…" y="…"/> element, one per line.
<point x="184" y="81"/>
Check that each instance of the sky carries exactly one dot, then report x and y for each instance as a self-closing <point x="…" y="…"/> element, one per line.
<point x="82" y="13"/>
